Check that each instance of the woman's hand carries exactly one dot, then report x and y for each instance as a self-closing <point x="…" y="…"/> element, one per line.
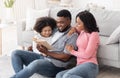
<point x="42" y="49"/>
<point x="72" y="30"/>
<point x="69" y="48"/>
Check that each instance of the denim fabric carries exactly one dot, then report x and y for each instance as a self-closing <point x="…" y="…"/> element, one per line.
<point x="34" y="63"/>
<point x="85" y="70"/>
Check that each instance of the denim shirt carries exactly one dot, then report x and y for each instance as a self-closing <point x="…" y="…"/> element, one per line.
<point x="59" y="46"/>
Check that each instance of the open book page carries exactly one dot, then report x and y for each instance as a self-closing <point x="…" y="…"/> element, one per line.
<point x="43" y="42"/>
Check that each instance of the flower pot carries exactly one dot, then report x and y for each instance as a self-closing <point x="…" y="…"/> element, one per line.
<point x="8" y="15"/>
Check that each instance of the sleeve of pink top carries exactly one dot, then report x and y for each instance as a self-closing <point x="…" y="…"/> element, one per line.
<point x="91" y="47"/>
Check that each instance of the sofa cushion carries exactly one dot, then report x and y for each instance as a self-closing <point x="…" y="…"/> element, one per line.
<point x="108" y="51"/>
<point x="114" y="37"/>
<point x="32" y="16"/>
<point x="27" y="38"/>
<point x="107" y="20"/>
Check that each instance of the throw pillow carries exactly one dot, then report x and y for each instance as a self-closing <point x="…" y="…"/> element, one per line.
<point x="32" y="16"/>
<point x="114" y="37"/>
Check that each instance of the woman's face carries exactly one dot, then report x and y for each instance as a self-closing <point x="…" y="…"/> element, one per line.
<point x="79" y="24"/>
<point x="46" y="31"/>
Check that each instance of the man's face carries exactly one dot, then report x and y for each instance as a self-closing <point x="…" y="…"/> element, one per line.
<point x="62" y="23"/>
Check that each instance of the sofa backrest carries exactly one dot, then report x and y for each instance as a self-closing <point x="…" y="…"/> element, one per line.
<point x="107" y="20"/>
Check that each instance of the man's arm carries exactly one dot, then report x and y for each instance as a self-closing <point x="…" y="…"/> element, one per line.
<point x="59" y="56"/>
<point x="64" y="56"/>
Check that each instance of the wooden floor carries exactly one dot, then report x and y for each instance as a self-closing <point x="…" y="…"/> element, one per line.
<point x="109" y="72"/>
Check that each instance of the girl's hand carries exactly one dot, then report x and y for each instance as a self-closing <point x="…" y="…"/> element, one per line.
<point x="30" y="48"/>
<point x="69" y="48"/>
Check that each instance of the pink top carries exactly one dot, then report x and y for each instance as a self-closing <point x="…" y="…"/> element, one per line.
<point x="87" y="47"/>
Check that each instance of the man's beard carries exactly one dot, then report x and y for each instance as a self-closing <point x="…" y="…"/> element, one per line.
<point x="65" y="29"/>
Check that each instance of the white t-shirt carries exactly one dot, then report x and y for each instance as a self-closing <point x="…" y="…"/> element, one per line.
<point x="56" y="36"/>
<point x="50" y="40"/>
<point x="38" y="36"/>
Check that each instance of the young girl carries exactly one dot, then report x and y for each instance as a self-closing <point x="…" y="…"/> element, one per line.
<point x="44" y="28"/>
<point x="87" y="43"/>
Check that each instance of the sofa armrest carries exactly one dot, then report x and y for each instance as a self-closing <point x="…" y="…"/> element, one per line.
<point x="20" y="29"/>
<point x="119" y="41"/>
<point x="21" y="25"/>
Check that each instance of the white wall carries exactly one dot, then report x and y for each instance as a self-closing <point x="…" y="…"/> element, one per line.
<point x="109" y="4"/>
<point x="1" y="8"/>
<point x="21" y="6"/>
<point x="41" y="4"/>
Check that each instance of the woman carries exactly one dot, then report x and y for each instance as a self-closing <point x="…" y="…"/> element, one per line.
<point x="87" y="43"/>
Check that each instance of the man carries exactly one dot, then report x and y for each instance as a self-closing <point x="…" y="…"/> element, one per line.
<point x="56" y="60"/>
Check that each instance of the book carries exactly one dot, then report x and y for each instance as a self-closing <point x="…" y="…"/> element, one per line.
<point x="43" y="42"/>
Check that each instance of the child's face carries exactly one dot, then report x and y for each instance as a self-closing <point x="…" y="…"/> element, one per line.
<point x="46" y="31"/>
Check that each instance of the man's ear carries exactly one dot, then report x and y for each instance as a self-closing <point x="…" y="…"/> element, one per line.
<point x="68" y="20"/>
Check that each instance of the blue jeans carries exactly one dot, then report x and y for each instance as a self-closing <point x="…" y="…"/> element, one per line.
<point x="85" y="70"/>
<point x="27" y="63"/>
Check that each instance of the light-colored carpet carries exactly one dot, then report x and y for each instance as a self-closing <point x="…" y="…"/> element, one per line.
<point x="5" y="67"/>
<point x="6" y="70"/>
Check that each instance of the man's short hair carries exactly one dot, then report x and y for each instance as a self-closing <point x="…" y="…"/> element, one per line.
<point x="64" y="13"/>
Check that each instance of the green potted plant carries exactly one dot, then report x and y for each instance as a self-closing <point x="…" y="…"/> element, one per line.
<point x="9" y="3"/>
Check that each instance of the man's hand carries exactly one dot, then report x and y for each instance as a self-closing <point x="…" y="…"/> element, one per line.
<point x="60" y="56"/>
<point x="69" y="48"/>
<point x="42" y="49"/>
<point x="30" y="48"/>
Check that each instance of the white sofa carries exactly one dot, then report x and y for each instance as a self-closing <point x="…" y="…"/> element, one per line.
<point x="107" y="21"/>
<point x="109" y="24"/>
